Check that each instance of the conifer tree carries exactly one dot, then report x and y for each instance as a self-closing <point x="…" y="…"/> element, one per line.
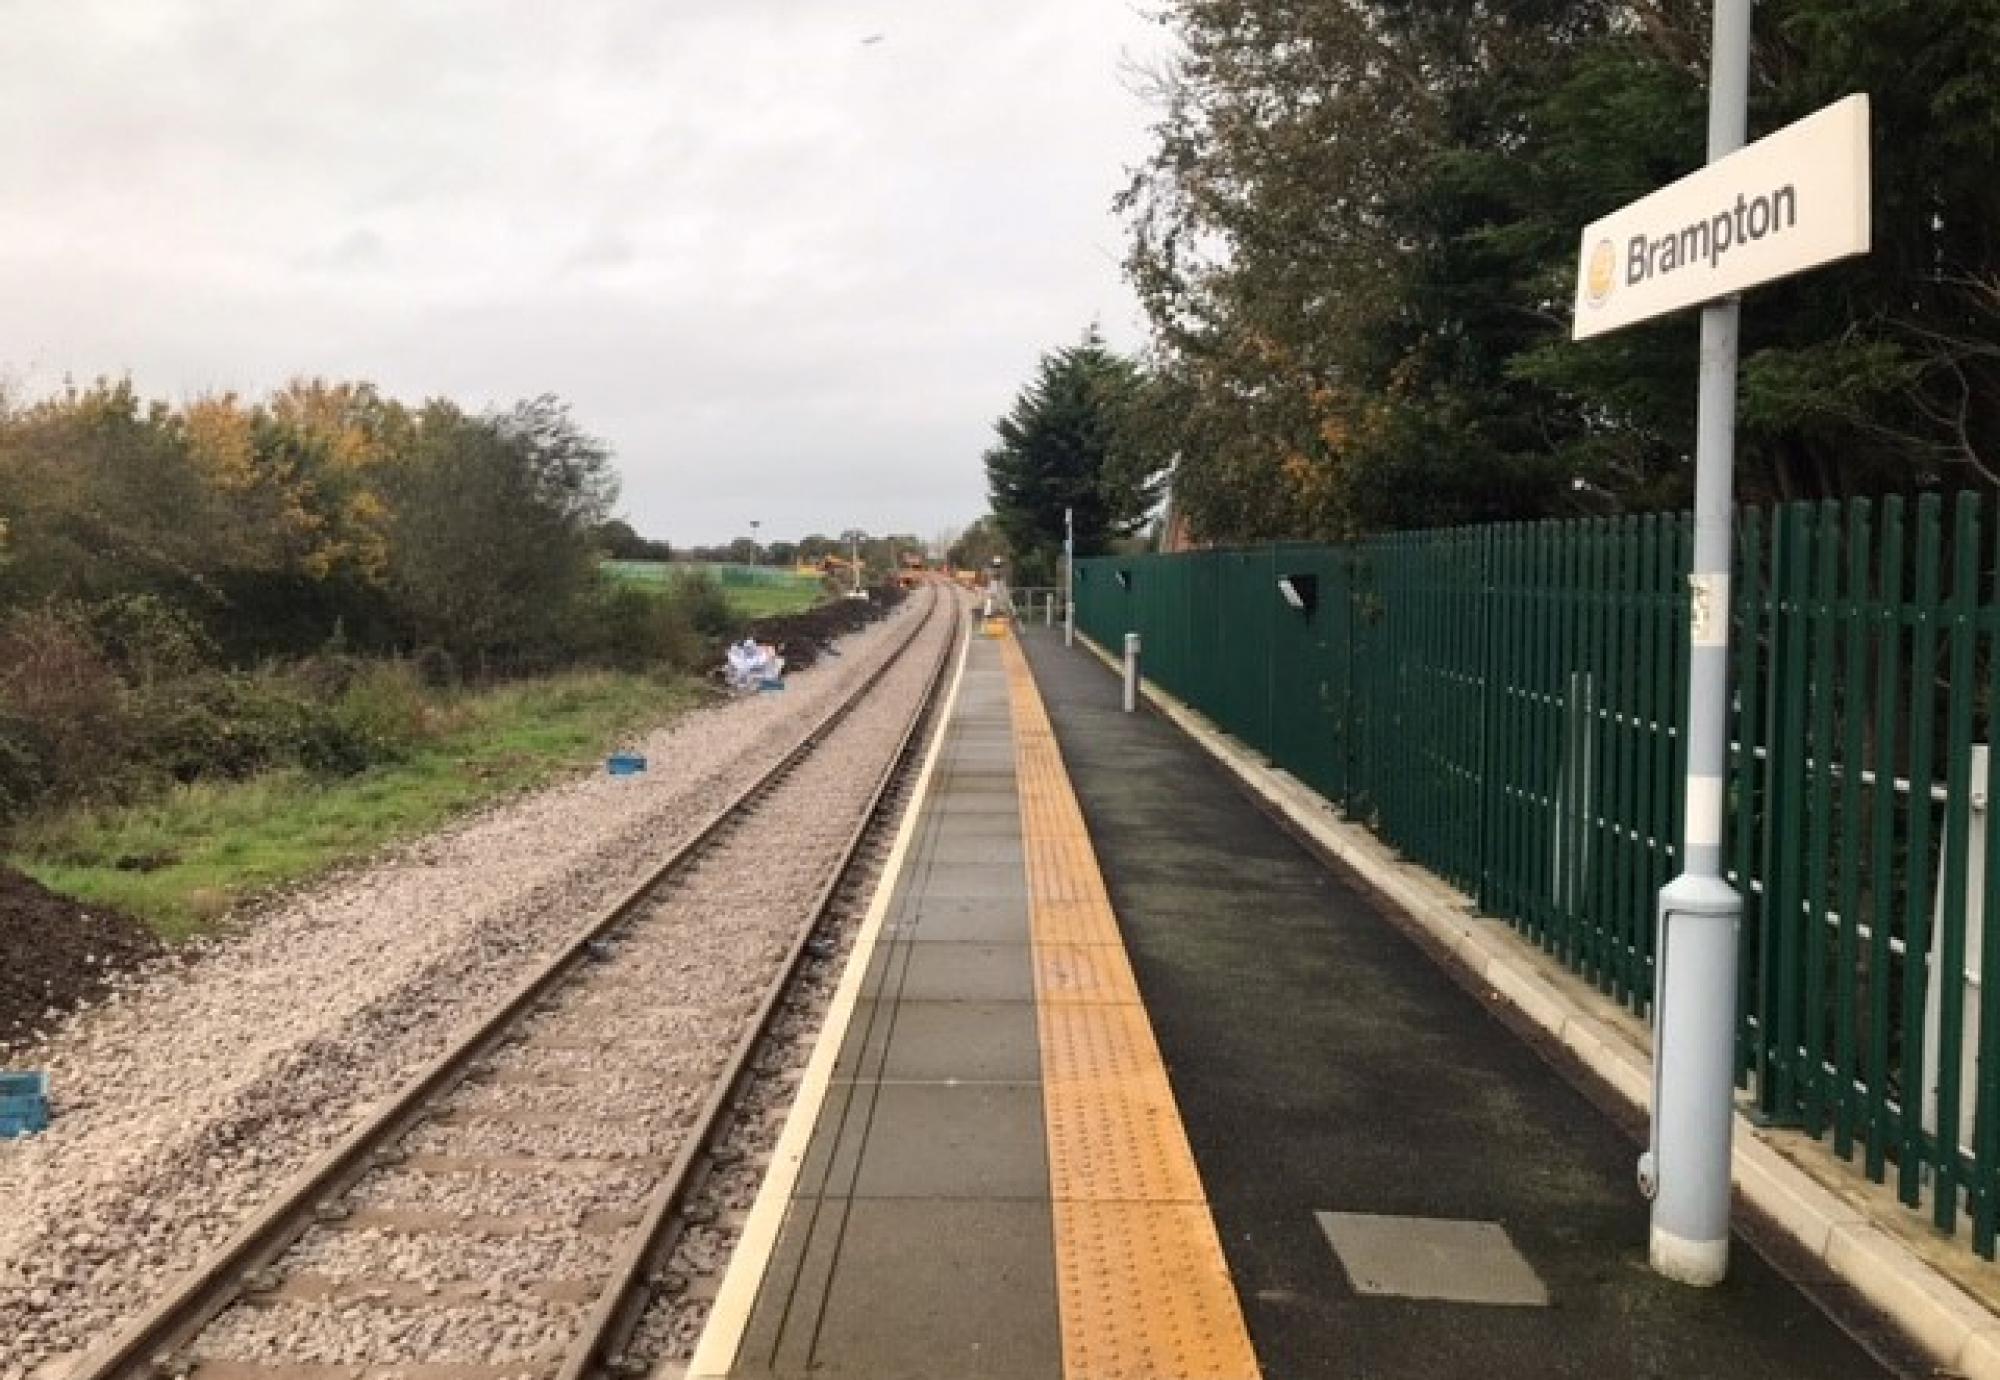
<point x="1073" y="440"/>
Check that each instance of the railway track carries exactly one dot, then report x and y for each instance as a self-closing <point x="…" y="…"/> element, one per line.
<point x="545" y="1198"/>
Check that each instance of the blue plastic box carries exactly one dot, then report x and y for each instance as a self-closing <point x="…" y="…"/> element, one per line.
<point x="624" y="763"/>
<point x="24" y="1104"/>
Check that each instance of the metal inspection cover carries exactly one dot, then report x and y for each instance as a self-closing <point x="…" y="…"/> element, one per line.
<point x="1432" y="1258"/>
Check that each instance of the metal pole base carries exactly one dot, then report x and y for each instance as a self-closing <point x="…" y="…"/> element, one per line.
<point x="1702" y="1264"/>
<point x="1694" y="1079"/>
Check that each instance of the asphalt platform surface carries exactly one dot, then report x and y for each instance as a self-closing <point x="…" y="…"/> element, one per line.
<point x="1324" y="1064"/>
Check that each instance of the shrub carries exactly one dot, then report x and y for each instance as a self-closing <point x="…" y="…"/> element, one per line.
<point x="379" y="717"/>
<point x="331" y="747"/>
<point x="704" y="605"/>
<point x="386" y="703"/>
<point x="25" y="773"/>
<point x="325" y="676"/>
<point x="632" y="628"/>
<point x="55" y="676"/>
<point x="147" y="638"/>
<point x="436" y="667"/>
<point x="219" y="725"/>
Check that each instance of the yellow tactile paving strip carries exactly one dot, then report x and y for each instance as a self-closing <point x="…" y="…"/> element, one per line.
<point x="1143" y="1289"/>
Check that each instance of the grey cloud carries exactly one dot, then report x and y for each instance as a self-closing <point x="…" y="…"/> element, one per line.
<point x="776" y="268"/>
<point x="360" y="248"/>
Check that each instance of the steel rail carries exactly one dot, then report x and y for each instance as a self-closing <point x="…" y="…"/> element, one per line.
<point x="196" y="1298"/>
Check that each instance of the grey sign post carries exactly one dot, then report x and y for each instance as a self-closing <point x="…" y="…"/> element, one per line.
<point x="1694" y="984"/>
<point x="1069" y="577"/>
<point x="1793" y="200"/>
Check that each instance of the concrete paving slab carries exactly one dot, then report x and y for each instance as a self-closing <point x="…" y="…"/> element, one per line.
<point x="967" y="972"/>
<point x="978" y="765"/>
<point x="885" y="975"/>
<point x="779" y="1334"/>
<point x="1432" y="1258"/>
<point x="971" y="881"/>
<point x="981" y="1307"/>
<point x="962" y="920"/>
<point x="934" y="1140"/>
<point x="953" y="850"/>
<point x="948" y="830"/>
<point x="982" y="803"/>
<point x="839" y="1134"/>
<point x="931" y="1041"/>
<point x="962" y="780"/>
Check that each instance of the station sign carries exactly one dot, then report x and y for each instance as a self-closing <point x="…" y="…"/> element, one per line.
<point x="1791" y="201"/>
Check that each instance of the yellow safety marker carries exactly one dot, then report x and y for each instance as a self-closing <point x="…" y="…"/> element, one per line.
<point x="1142" y="1285"/>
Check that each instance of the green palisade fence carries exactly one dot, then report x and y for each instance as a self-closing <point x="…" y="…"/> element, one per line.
<point x="1503" y="705"/>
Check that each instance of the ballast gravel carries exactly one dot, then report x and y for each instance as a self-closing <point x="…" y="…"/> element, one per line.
<point x="563" y="1196"/>
<point x="192" y="1094"/>
<point x="698" y="951"/>
<point x="436" y="1258"/>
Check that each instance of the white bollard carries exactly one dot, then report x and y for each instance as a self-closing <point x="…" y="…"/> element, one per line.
<point x="1048" y="610"/>
<point x="1131" y="672"/>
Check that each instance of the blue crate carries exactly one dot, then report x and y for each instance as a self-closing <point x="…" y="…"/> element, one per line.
<point x="624" y="763"/>
<point x="24" y="1104"/>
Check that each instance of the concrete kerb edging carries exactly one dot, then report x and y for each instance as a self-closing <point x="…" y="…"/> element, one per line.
<point x="1936" y="1313"/>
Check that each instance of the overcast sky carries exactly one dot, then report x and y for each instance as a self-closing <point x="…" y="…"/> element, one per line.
<point x="788" y="274"/>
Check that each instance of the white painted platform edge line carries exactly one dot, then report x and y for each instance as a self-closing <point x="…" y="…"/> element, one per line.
<point x="722" y="1334"/>
<point x="1932" y="1310"/>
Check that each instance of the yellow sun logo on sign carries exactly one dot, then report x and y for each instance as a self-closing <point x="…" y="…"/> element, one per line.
<point x="1598" y="280"/>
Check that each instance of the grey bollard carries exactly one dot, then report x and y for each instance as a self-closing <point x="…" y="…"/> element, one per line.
<point x="1131" y="672"/>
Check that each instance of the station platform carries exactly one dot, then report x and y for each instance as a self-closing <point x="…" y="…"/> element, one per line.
<point x="1133" y="1087"/>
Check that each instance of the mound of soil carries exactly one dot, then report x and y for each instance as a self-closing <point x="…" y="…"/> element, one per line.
<point x="803" y="637"/>
<point x="56" y="953"/>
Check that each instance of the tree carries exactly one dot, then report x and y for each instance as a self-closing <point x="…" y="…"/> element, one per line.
<point x="621" y="542"/>
<point x="1355" y="239"/>
<point x="493" y="528"/>
<point x="1074" y="440"/>
<point x="102" y="497"/>
<point x="977" y="545"/>
<point x="568" y="470"/>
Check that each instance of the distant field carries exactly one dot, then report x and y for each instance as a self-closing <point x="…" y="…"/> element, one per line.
<point x="754" y="591"/>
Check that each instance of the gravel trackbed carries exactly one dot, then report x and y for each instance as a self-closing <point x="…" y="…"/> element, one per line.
<point x="187" y="1097"/>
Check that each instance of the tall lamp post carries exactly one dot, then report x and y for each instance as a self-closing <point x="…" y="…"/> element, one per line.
<point x="855" y="536"/>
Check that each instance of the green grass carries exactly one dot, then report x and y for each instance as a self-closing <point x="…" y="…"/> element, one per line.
<point x="210" y="846"/>
<point x="761" y="601"/>
<point x="752" y="591"/>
